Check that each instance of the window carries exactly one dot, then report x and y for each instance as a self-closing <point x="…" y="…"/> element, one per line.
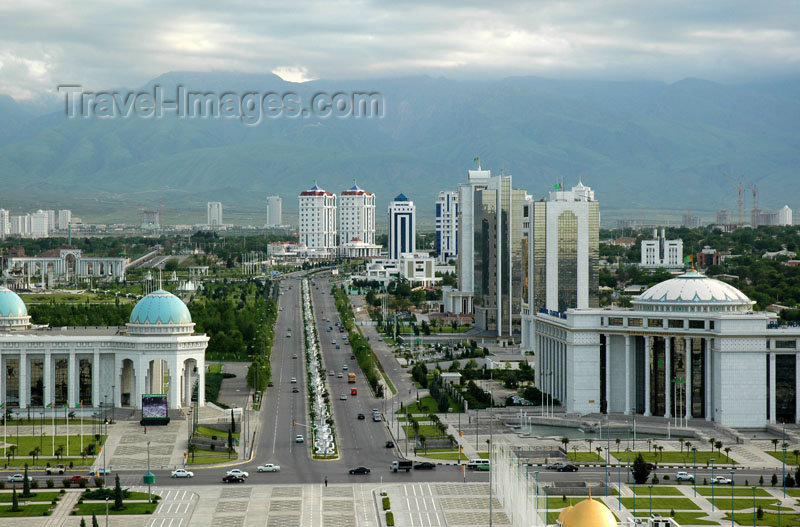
<point x="635" y="322"/>
<point x="654" y="323"/>
<point x="614" y="321"/>
<point x="697" y="324"/>
<point x="678" y="324"/>
<point x="785" y="344"/>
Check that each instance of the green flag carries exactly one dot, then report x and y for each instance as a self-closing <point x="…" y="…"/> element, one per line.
<point x="49" y="405"/>
<point x="558" y="186"/>
<point x="686" y="259"/>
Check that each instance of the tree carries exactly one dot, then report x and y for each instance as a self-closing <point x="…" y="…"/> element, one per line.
<point x="681" y="441"/>
<point x="193" y="450"/>
<point x="230" y="443"/>
<point x="774" y="479"/>
<point x="422" y="441"/>
<point x="775" y="443"/>
<point x="59" y="452"/>
<point x="796" y="454"/>
<point x="590" y="441"/>
<point x="118" y="505"/>
<point x="565" y="442"/>
<point x="94" y="520"/>
<point x="718" y="446"/>
<point x="789" y="480"/>
<point x="83" y="522"/>
<point x="640" y="470"/>
<point x="727" y="451"/>
<point x="15" y="501"/>
<point x="26" y="484"/>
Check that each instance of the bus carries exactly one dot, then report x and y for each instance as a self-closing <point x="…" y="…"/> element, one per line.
<point x="351" y="378"/>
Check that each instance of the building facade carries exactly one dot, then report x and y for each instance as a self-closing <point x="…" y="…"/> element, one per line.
<point x="498" y="257"/>
<point x="214" y="214"/>
<point x="785" y="216"/>
<point x="357" y="215"/>
<point x="69" y="263"/>
<point x="660" y="252"/>
<point x="5" y="223"/>
<point x="64" y="219"/>
<point x="317" y="215"/>
<point x="690" y="346"/>
<point x="274" y="211"/>
<point x="51" y="367"/>
<point x="40" y="224"/>
<point x="402" y="227"/>
<point x="446" y="226"/>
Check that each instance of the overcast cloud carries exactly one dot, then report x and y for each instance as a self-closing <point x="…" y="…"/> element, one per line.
<point x="125" y="43"/>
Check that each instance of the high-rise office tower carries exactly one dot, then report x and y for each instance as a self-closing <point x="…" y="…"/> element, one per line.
<point x="64" y="219"/>
<point x="356" y="215"/>
<point x="40" y="224"/>
<point x="214" y="213"/>
<point x="274" y="211"/>
<point x="446" y="226"/>
<point x="785" y="216"/>
<point x="476" y="180"/>
<point x="498" y="256"/>
<point x="317" y="217"/>
<point x="5" y="223"/>
<point x="402" y="226"/>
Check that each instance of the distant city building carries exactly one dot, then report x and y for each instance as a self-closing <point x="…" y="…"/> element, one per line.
<point x="214" y="214"/>
<point x="691" y="222"/>
<point x="357" y="216"/>
<point x="5" y="225"/>
<point x="724" y="217"/>
<point x="64" y="219"/>
<point x="628" y="224"/>
<point x="402" y="227"/>
<point x="274" y="211"/>
<point x="317" y="215"/>
<point x="447" y="226"/>
<point x="765" y="217"/>
<point x="40" y="224"/>
<point x="785" y="216"/>
<point x="708" y="257"/>
<point x="660" y="252"/>
<point x="498" y="256"/>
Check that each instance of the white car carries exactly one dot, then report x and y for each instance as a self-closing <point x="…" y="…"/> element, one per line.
<point x="721" y="480"/>
<point x="343" y="397"/>
<point x="298" y="438"/>
<point x="182" y="473"/>
<point x="684" y="476"/>
<point x="17" y="478"/>
<point x="269" y="467"/>
<point x="238" y="473"/>
<point x="294" y="379"/>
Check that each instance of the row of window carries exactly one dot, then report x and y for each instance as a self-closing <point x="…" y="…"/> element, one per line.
<point x="672" y="323"/>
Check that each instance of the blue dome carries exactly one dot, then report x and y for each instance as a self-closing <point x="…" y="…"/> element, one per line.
<point x="11" y="305"/>
<point x="161" y="307"/>
<point x="401" y="197"/>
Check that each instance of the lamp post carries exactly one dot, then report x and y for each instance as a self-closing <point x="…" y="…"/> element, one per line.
<point x="546" y="505"/>
<point x="106" y="511"/>
<point x="712" y="484"/>
<point x="149" y="494"/>
<point x="732" y="485"/>
<point x="619" y="484"/>
<point x="694" y="470"/>
<point x="651" y="499"/>
<point x="783" y="472"/>
<point x="634" y="498"/>
<point x="754" y="506"/>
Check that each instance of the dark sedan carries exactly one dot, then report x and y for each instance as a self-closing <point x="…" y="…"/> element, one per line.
<point x="360" y="417"/>
<point x="359" y="470"/>
<point x="232" y="479"/>
<point x="389" y="444"/>
<point x="425" y="465"/>
<point x="568" y="468"/>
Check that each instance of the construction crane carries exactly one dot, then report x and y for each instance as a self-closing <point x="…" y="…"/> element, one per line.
<point x="738" y="186"/>
<point x="754" y="190"/>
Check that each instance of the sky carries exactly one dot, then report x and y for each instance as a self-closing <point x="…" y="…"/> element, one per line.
<point x="102" y="45"/>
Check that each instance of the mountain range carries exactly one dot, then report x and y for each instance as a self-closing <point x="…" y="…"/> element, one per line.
<point x="648" y="148"/>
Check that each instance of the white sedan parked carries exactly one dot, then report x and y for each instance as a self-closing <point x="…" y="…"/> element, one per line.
<point x="269" y="467"/>
<point x="721" y="480"/>
<point x="182" y="473"/>
<point x="238" y="473"/>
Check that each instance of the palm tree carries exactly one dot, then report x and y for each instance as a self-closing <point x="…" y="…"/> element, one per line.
<point x="193" y="450"/>
<point x="661" y="451"/>
<point x="711" y="442"/>
<point x="599" y="452"/>
<point x="728" y="452"/>
<point x="775" y="444"/>
<point x="452" y="440"/>
<point x="796" y="454"/>
<point x="422" y="441"/>
<point x="617" y="441"/>
<point x="681" y="440"/>
<point x="565" y="442"/>
<point x="649" y="444"/>
<point x="590" y="441"/>
<point x="59" y="452"/>
<point x="718" y="446"/>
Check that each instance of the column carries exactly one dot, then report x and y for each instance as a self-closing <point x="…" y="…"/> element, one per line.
<point x="648" y="341"/>
<point x="667" y="377"/>
<point x="96" y="379"/>
<point x="48" y="378"/>
<point x="201" y="380"/>
<point x="688" y="345"/>
<point x="796" y="388"/>
<point x="707" y="371"/>
<point x="72" y="382"/>
<point x="174" y="384"/>
<point x="3" y="381"/>
<point x="627" y="374"/>
<point x="187" y="384"/>
<point x="116" y="383"/>
<point x="772" y="411"/>
<point x="608" y="373"/>
<point x="23" y="379"/>
<point x="141" y="378"/>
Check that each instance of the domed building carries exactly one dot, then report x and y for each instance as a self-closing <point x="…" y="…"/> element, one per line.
<point x="41" y="366"/>
<point x="691" y="346"/>
<point x="587" y="513"/>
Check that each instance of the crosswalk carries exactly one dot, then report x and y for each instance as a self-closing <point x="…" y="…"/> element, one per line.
<point x="175" y="508"/>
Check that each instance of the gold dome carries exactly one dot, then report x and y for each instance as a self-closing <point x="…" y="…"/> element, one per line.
<point x="563" y="514"/>
<point x="590" y="513"/>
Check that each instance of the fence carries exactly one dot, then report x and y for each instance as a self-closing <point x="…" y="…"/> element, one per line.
<point x="516" y="487"/>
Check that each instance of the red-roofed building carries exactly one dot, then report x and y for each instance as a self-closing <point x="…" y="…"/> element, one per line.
<point x="317" y="218"/>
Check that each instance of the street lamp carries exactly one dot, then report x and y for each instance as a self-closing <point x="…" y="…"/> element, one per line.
<point x="149" y="494"/>
<point x="784" y="470"/>
<point x="694" y="469"/>
<point x="651" y="499"/>
<point x="754" y="506"/>
<point x="546" y="505"/>
<point x="106" y="511"/>
<point x="712" y="484"/>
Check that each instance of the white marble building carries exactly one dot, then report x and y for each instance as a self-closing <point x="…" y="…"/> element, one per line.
<point x="41" y="366"/>
<point x="690" y="346"/>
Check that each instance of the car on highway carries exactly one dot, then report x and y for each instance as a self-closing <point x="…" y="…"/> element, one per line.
<point x="294" y="355"/>
<point x="353" y="391"/>
<point x="376" y="418"/>
<point x="425" y="465"/>
<point x="269" y="467"/>
<point x="295" y="389"/>
<point x="684" y="476"/>
<point x="555" y="466"/>
<point x="288" y="335"/>
<point x="359" y="470"/>
<point x="100" y="471"/>
<point x="477" y="463"/>
<point x="18" y="478"/>
<point x="294" y="379"/>
<point x="568" y="468"/>
<point x="339" y="375"/>
<point x="233" y="479"/>
<point x="721" y="480"/>
<point x="343" y="397"/>
<point x="361" y="417"/>
<point x="338" y="347"/>
<point x="237" y="472"/>
<point x="181" y="473"/>
<point x="298" y="438"/>
<point x="77" y="479"/>
<point x="389" y="444"/>
<point x="56" y="469"/>
<point x="270" y="384"/>
<point x="344" y="367"/>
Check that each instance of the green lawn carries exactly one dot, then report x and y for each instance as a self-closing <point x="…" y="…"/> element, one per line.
<point x="794" y="493"/>
<point x="586" y="457"/>
<point x="452" y="456"/>
<point x="429" y="431"/>
<point x="678" y="457"/>
<point x="86" y="508"/>
<point x="661" y="503"/>
<point x="36" y="509"/>
<point x="28" y="443"/>
<point x="724" y="503"/>
<point x="12" y="424"/>
<point x="725" y="490"/>
<point x="483" y="455"/>
<point x="207" y="460"/>
<point x="790" y="459"/>
<point x="658" y="490"/>
<point x="427" y="405"/>
<point x="214" y="368"/>
<point x="208" y="432"/>
<point x="442" y="449"/>
<point x="769" y="519"/>
<point x="6" y="497"/>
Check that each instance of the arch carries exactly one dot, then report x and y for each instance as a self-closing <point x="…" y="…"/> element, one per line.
<point x="127" y="383"/>
<point x="189" y="379"/>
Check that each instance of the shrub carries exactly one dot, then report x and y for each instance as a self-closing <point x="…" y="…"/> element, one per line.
<point x="390" y="519"/>
<point x="71" y="464"/>
<point x="672" y="513"/>
<point x="761" y="480"/>
<point x="35" y="484"/>
<point x="386" y="505"/>
<point x="50" y="483"/>
<point x="2" y="484"/>
<point x="666" y="477"/>
<point x="99" y="482"/>
<point x="655" y="479"/>
<point x="82" y="483"/>
<point x="774" y="479"/>
<point x="66" y="482"/>
<point x="62" y="492"/>
<point x="759" y="513"/>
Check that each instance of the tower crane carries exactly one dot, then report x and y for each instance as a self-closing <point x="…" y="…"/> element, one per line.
<point x="738" y="186"/>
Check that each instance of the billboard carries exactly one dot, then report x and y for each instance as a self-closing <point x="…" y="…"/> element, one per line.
<point x="154" y="408"/>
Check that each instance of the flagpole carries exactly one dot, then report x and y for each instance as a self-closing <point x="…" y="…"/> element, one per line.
<point x="66" y="418"/>
<point x="53" y="453"/>
<point x="80" y="406"/>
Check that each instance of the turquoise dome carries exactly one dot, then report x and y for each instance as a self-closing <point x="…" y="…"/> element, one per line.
<point x="161" y="307"/>
<point x="11" y="305"/>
